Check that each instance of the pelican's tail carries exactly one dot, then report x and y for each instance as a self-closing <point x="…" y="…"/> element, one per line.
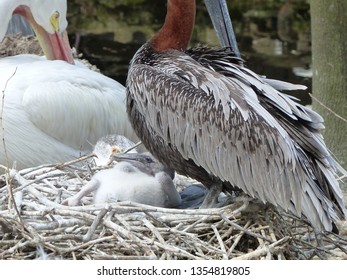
<point x="322" y="202"/>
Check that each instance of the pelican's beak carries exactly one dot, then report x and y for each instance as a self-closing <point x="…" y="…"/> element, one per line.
<point x="125" y="157"/>
<point x="219" y="14"/>
<point x="55" y="46"/>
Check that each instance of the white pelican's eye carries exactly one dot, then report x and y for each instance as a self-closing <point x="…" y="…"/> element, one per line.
<point x="55" y="17"/>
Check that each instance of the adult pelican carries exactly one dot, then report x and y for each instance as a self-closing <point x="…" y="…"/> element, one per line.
<point x="52" y="110"/>
<point x="202" y="113"/>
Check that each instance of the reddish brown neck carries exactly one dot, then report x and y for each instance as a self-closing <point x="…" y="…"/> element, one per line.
<point x="178" y="26"/>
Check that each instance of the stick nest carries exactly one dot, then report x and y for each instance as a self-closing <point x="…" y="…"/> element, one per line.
<point x="34" y="224"/>
<point x="18" y="44"/>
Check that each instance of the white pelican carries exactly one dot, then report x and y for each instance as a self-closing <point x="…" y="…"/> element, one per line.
<point x="51" y="110"/>
<point x="202" y="113"/>
<point x="140" y="178"/>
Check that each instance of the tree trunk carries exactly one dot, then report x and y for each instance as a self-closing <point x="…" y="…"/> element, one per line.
<point x="329" y="59"/>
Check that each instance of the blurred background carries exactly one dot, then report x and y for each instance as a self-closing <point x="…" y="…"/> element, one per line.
<point x="273" y="35"/>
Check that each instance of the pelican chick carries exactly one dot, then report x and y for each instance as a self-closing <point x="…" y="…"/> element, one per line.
<point x="143" y="181"/>
<point x="146" y="163"/>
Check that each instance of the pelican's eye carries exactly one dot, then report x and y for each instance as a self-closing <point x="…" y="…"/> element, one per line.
<point x="55" y="20"/>
<point x="148" y="159"/>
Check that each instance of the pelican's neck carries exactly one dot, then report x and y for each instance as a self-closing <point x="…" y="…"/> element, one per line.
<point x="7" y="8"/>
<point x="178" y="27"/>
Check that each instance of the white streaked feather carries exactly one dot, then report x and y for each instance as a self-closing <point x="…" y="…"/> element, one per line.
<point x="201" y="155"/>
<point x="281" y="85"/>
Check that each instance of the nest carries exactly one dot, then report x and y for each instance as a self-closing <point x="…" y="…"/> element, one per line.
<point x="18" y="44"/>
<point x="34" y="224"/>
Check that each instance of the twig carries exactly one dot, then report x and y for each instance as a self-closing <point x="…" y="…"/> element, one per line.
<point x="95" y="224"/>
<point x="132" y="148"/>
<point x="244" y="230"/>
<point x="220" y="241"/>
<point x="326" y="107"/>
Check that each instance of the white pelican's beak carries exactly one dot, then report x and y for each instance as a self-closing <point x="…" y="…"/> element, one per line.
<point x="55" y="46"/>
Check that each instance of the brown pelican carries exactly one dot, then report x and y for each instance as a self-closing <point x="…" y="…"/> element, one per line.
<point x="53" y="111"/>
<point x="138" y="178"/>
<point x="201" y="112"/>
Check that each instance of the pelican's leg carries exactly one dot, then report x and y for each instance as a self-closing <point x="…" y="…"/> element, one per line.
<point x="88" y="188"/>
<point x="211" y="198"/>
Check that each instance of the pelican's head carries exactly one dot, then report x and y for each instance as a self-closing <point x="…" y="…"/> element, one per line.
<point x="47" y="18"/>
<point x="146" y="163"/>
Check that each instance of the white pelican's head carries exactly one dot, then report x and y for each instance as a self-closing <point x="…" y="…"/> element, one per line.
<point x="47" y="18"/>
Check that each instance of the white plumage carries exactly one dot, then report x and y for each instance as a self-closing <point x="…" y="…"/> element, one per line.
<point x="53" y="111"/>
<point x="126" y="182"/>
